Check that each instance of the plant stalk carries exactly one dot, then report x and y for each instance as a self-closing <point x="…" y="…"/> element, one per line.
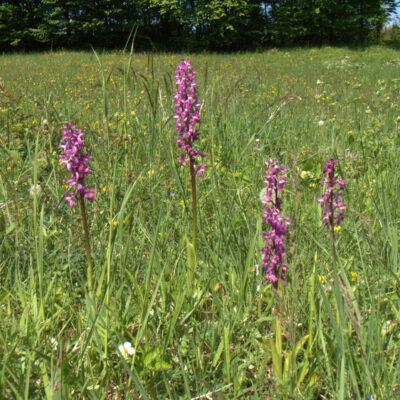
<point x="87" y="243"/>
<point x="332" y="232"/>
<point x="332" y="229"/>
<point x="194" y="204"/>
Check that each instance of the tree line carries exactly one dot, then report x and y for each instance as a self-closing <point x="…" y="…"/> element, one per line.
<point x="195" y="25"/>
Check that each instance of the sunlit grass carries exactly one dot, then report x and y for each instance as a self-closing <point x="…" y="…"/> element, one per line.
<point x="218" y="326"/>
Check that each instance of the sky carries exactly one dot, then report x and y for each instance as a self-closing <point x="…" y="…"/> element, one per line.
<point x="395" y="17"/>
<point x="398" y="10"/>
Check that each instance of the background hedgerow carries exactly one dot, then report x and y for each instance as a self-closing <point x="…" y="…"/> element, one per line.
<point x="147" y="332"/>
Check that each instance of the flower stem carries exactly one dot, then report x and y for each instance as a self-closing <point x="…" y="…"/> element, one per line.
<point x="332" y="231"/>
<point x="87" y="243"/>
<point x="332" y="227"/>
<point x="194" y="204"/>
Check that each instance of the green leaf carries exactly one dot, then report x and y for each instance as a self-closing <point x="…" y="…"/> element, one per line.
<point x="276" y="360"/>
<point x="191" y="260"/>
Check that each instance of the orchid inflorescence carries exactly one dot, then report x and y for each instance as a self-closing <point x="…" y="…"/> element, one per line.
<point x="77" y="162"/>
<point x="332" y="200"/>
<point x="274" y="250"/>
<point x="187" y="116"/>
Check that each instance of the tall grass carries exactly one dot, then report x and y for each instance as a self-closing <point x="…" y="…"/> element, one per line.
<point x="331" y="333"/>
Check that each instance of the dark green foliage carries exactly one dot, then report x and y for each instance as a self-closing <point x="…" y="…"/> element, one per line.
<point x="190" y="24"/>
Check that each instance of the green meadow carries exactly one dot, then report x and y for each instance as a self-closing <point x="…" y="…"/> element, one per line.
<point x="204" y="325"/>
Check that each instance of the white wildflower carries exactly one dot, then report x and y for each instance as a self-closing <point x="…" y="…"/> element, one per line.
<point x="54" y="344"/>
<point x="321" y="123"/>
<point x="35" y="190"/>
<point x="126" y="349"/>
<point x="306" y="175"/>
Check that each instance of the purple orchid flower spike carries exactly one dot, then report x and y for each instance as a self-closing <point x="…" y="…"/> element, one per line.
<point x="76" y="162"/>
<point x="274" y="251"/>
<point x="187" y="116"/>
<point x="332" y="200"/>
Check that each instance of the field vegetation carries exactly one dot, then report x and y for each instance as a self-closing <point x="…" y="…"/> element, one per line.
<point x="162" y="322"/>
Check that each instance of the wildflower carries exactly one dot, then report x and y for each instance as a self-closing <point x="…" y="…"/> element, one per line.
<point x="187" y="116"/>
<point x="306" y="175"/>
<point x="35" y="190"/>
<point x="126" y="350"/>
<point x="187" y="119"/>
<point x="274" y="251"/>
<point x="321" y="123"/>
<point x="76" y="162"/>
<point x="332" y="200"/>
<point x="54" y="343"/>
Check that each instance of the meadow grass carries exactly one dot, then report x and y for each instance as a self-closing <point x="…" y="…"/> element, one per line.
<point x="209" y="326"/>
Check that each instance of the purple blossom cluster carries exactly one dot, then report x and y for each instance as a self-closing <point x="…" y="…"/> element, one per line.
<point x="332" y="200"/>
<point x="76" y="162"/>
<point x="187" y="116"/>
<point x="274" y="251"/>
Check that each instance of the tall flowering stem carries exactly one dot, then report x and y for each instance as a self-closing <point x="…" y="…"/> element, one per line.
<point x="332" y="201"/>
<point x="76" y="162"/>
<point x="187" y="116"/>
<point x="274" y="251"/>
